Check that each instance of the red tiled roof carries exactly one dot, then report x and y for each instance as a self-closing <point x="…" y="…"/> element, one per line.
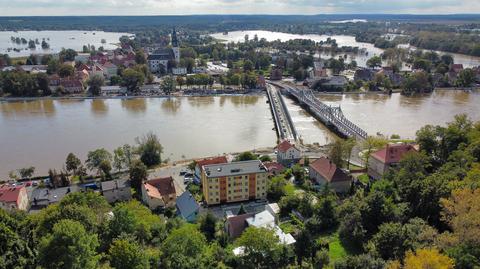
<point x="328" y="170"/>
<point x="237" y="224"/>
<point x="10" y="194"/>
<point x="284" y="146"/>
<point x="393" y="153"/>
<point x="210" y="161"/>
<point x="273" y="166"/>
<point x="164" y="186"/>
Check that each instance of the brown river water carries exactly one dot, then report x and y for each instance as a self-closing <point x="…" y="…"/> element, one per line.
<point x="41" y="133"/>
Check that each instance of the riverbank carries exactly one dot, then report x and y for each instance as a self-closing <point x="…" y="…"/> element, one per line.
<point x="121" y="97"/>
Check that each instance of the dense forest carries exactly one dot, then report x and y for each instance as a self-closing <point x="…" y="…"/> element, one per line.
<point x="422" y="214"/>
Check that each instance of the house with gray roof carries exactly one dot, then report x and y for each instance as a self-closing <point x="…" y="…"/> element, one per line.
<point x="187" y="207"/>
<point x="116" y="190"/>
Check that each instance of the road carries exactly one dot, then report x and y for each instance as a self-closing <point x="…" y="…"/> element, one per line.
<point x="285" y="129"/>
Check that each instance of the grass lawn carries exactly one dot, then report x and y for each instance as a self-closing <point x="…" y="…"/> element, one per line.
<point x="337" y="249"/>
<point x="290" y="189"/>
<point x="364" y="178"/>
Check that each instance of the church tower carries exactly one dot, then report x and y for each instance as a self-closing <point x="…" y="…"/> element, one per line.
<point x="175" y="46"/>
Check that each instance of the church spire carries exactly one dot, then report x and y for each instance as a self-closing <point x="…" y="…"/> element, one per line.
<point x="174" y="38"/>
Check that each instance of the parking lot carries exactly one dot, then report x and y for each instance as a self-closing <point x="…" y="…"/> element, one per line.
<point x="174" y="172"/>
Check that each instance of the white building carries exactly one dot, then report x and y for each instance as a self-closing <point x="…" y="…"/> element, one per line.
<point x="287" y="153"/>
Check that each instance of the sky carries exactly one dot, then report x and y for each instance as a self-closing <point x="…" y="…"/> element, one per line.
<point x="185" y="7"/>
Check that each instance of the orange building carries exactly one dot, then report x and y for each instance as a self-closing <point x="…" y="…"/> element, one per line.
<point x="234" y="182"/>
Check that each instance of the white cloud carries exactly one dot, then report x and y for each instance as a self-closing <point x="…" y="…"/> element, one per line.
<point x="162" y="7"/>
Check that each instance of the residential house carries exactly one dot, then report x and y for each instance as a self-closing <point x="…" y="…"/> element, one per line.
<point x="265" y="219"/>
<point x="82" y="57"/>
<point x="71" y="85"/>
<point x="235" y="225"/>
<point x="116" y="190"/>
<point x="318" y="70"/>
<point x="187" y="207"/>
<point x="382" y="160"/>
<point x="113" y="90"/>
<point x="287" y="153"/>
<point x="159" y="193"/>
<point x="364" y="74"/>
<point x="200" y="163"/>
<point x="43" y="197"/>
<point x="456" y="68"/>
<point x="274" y="168"/>
<point x="234" y="182"/>
<point x="324" y="171"/>
<point x="13" y="197"/>
<point x="110" y="69"/>
<point x="396" y="78"/>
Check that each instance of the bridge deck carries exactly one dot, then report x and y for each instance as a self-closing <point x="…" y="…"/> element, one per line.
<point x="283" y="121"/>
<point x="331" y="116"/>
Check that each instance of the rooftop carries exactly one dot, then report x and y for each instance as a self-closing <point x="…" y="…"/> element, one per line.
<point x="393" y="153"/>
<point x="9" y="194"/>
<point x="328" y="170"/>
<point x="186" y="204"/>
<point x="115" y="184"/>
<point x="284" y="146"/>
<point x="160" y="187"/>
<point x="234" y="168"/>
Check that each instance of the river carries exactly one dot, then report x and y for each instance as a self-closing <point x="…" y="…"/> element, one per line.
<point x="57" y="40"/>
<point x="342" y="40"/>
<point x="41" y="133"/>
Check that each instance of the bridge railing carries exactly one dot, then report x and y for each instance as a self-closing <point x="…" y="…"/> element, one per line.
<point x="329" y="114"/>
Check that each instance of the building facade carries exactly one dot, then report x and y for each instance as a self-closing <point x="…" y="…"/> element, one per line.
<point x="159" y="193"/>
<point x="287" y="153"/>
<point x="159" y="60"/>
<point x="382" y="160"/>
<point x="13" y="197"/>
<point x="234" y="182"/>
<point x="324" y="171"/>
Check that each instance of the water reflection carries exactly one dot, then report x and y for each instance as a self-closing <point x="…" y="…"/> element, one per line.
<point x="38" y="108"/>
<point x="135" y="105"/>
<point x="199" y="101"/>
<point x="99" y="107"/>
<point x="244" y="100"/>
<point x="171" y="105"/>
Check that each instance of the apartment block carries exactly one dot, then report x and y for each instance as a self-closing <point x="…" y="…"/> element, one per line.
<point x="234" y="182"/>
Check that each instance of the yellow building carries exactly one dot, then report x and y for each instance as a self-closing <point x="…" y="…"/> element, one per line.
<point x="234" y="182"/>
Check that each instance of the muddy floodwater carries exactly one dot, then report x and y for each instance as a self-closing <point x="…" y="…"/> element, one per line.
<point x="41" y="133"/>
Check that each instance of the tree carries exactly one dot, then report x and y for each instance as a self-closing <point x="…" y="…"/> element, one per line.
<point x="462" y="214"/>
<point x="180" y="81"/>
<point x="138" y="174"/>
<point x="207" y="225"/>
<point x="276" y="188"/>
<point x="95" y="84"/>
<point x="360" y="262"/>
<point x="65" y="70"/>
<point x="261" y="247"/>
<point x="374" y="62"/>
<point x="119" y="159"/>
<point x="67" y="55"/>
<point x="336" y="153"/>
<point x="150" y="149"/>
<point x="246" y="156"/>
<point x="26" y="172"/>
<point x="43" y="83"/>
<point x="466" y="77"/>
<point x="265" y="158"/>
<point x="68" y="246"/>
<point x="371" y="144"/>
<point x="183" y="248"/>
<point x="393" y="240"/>
<point x="416" y="82"/>
<point x="72" y="163"/>
<point x="424" y="259"/>
<point x="135" y="220"/>
<point x="98" y="159"/>
<point x="132" y="79"/>
<point x="125" y="253"/>
<point x="168" y="85"/>
<point x="247" y="66"/>
<point x="140" y="57"/>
